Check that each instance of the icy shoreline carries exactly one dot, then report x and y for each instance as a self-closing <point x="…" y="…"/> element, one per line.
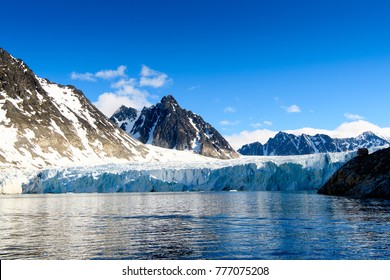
<point x="244" y="174"/>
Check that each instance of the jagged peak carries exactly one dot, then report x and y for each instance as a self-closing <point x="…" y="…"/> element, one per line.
<point x="3" y="52"/>
<point x="9" y="60"/>
<point x="169" y="99"/>
<point x="6" y="55"/>
<point x="120" y="109"/>
<point x="368" y="133"/>
<point x="283" y="135"/>
<point x="123" y="109"/>
<point x="280" y="133"/>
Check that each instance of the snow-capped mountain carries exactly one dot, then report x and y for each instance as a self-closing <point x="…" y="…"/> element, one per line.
<point x="169" y="126"/>
<point x="289" y="144"/>
<point x="44" y="123"/>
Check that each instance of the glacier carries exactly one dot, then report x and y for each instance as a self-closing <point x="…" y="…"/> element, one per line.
<point x="278" y="173"/>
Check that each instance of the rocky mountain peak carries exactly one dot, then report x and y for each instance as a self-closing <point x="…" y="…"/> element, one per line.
<point x="169" y="100"/>
<point x="169" y="126"/>
<point x="16" y="78"/>
<point x="44" y="123"/>
<point x="367" y="135"/>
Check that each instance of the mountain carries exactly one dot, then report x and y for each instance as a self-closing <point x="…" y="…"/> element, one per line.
<point x="289" y="144"/>
<point x="125" y="118"/>
<point x="365" y="176"/>
<point x="45" y="124"/>
<point x="169" y="126"/>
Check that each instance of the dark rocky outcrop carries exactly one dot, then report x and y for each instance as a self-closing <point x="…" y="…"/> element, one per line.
<point x="365" y="176"/>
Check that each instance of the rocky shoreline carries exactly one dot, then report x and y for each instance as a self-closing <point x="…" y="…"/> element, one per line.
<point x="365" y="176"/>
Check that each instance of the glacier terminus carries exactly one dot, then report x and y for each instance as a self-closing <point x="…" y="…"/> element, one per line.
<point x="289" y="173"/>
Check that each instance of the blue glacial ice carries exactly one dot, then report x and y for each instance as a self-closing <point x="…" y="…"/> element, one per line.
<point x="290" y="173"/>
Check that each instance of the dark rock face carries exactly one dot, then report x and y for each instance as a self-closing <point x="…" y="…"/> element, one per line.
<point x="252" y="149"/>
<point x="50" y="122"/>
<point x="366" y="176"/>
<point x="169" y="126"/>
<point x="362" y="152"/>
<point x="284" y="144"/>
<point x="125" y="118"/>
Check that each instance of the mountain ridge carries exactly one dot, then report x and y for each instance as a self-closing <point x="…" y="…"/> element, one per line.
<point x="289" y="144"/>
<point x="45" y="124"/>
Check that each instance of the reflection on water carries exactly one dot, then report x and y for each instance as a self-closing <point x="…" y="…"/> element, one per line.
<point x="228" y="225"/>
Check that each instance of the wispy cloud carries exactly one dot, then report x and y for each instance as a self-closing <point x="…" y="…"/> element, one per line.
<point x="256" y="125"/>
<point x="229" y="110"/>
<point x="112" y="74"/>
<point x="153" y="78"/>
<point x="102" y="74"/>
<point x="292" y="109"/>
<point x="83" y="76"/>
<point x="229" y="123"/>
<point x="264" y="123"/>
<point x="193" y="88"/>
<point x="353" y="117"/>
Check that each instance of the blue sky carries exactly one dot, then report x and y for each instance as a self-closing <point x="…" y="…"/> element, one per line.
<point x="250" y="68"/>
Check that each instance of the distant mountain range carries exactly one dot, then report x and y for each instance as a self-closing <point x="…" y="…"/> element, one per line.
<point x="167" y="125"/>
<point x="288" y="144"/>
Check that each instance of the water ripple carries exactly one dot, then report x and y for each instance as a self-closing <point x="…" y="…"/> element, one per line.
<point x="242" y="225"/>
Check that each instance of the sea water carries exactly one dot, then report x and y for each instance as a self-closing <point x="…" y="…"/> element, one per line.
<point x="210" y="225"/>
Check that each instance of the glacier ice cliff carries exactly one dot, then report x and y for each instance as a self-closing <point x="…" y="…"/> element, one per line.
<point x="291" y="173"/>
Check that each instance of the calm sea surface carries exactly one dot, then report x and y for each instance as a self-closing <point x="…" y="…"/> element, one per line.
<point x="225" y="225"/>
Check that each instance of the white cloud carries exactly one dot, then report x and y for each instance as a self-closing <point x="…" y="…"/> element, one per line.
<point x="229" y="110"/>
<point x="102" y="74"/>
<point x="264" y="123"/>
<point x="124" y="83"/>
<point x="109" y="102"/>
<point x="246" y="137"/>
<point x="229" y="123"/>
<point x="353" y="117"/>
<point x="256" y="125"/>
<point x="193" y="88"/>
<point x="126" y="91"/>
<point x="345" y="130"/>
<point x="153" y="78"/>
<point x="83" y="76"/>
<point x="292" y="109"/>
<point x="111" y="74"/>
